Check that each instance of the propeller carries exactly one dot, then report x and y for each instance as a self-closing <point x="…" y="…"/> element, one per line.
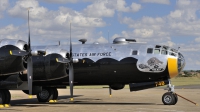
<point x="29" y="62"/>
<point x="71" y="69"/>
<point x="28" y="54"/>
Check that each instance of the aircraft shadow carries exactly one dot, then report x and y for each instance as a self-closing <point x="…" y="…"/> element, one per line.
<point x="19" y="102"/>
<point x="65" y="100"/>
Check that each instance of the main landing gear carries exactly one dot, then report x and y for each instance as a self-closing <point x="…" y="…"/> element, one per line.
<point x="48" y="95"/>
<point x="170" y="97"/>
<point x="4" y="98"/>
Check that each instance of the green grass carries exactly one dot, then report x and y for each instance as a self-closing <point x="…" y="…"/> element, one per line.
<point x="178" y="81"/>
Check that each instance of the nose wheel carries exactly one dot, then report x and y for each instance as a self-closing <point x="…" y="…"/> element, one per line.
<point x="169" y="98"/>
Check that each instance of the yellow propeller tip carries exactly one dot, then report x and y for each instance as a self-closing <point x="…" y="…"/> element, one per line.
<point x="6" y="105"/>
<point x="56" y="59"/>
<point x="10" y="52"/>
<point x="51" y="101"/>
<point x="71" y="99"/>
<point x="1" y="106"/>
<point x="30" y="96"/>
<point x="110" y="95"/>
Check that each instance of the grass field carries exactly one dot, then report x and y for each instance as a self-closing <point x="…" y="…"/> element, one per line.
<point x="178" y="81"/>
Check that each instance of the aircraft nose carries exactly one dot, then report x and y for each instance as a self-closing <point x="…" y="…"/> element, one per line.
<point x="181" y="62"/>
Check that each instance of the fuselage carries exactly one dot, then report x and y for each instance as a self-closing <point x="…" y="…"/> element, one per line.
<point x="102" y="64"/>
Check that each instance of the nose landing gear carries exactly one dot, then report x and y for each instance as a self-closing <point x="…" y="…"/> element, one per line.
<point x="170" y="97"/>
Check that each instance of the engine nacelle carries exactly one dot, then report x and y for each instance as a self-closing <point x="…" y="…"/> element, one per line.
<point x="117" y="86"/>
<point x="10" y="63"/>
<point x="46" y="67"/>
<point x="20" y="44"/>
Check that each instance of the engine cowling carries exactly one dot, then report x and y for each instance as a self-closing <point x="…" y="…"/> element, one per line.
<point x="117" y="86"/>
<point x="46" y="67"/>
<point x="9" y="63"/>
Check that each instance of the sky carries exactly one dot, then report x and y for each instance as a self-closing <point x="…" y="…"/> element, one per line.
<point x="175" y="23"/>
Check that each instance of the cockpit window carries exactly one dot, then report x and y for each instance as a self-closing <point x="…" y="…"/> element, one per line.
<point x="150" y="50"/>
<point x="172" y="54"/>
<point x="135" y="52"/>
<point x="158" y="46"/>
<point x="165" y="48"/>
<point x="156" y="51"/>
<point x="164" y="52"/>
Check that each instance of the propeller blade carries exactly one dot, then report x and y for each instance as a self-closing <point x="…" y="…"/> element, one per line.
<point x="30" y="75"/>
<point x="18" y="53"/>
<point x="29" y="40"/>
<point x="71" y="80"/>
<point x="110" y="91"/>
<point x="71" y="69"/>
<point x="62" y="60"/>
<point x="70" y="43"/>
<point x="29" y="61"/>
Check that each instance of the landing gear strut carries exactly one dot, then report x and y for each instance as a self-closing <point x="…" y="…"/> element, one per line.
<point x="170" y="97"/>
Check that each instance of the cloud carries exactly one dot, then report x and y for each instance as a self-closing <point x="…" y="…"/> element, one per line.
<point x="11" y="32"/>
<point x="20" y="9"/>
<point x="8" y="29"/>
<point x="3" y="6"/>
<point x="183" y="21"/>
<point x="61" y="1"/>
<point x="197" y="39"/>
<point x="107" y="8"/>
<point x="135" y="7"/>
<point x="102" y="40"/>
<point x="49" y="25"/>
<point x="167" y="2"/>
<point x="180" y="22"/>
<point x="99" y="9"/>
<point x="67" y="1"/>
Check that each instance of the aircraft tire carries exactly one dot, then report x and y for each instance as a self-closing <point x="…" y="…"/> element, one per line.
<point x="168" y="98"/>
<point x="2" y="97"/>
<point x="45" y="95"/>
<point x="55" y="93"/>
<point x="7" y="96"/>
<point x="176" y="98"/>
